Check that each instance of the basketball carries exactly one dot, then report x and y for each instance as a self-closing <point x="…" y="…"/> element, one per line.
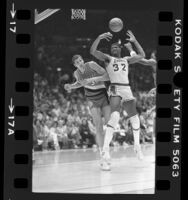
<point x="116" y="24"/>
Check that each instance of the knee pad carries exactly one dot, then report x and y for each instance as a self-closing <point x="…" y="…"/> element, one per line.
<point x="114" y="119"/>
<point x="135" y="122"/>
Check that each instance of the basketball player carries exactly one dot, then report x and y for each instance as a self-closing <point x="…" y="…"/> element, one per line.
<point x="95" y="92"/>
<point x="153" y="63"/>
<point x="118" y="68"/>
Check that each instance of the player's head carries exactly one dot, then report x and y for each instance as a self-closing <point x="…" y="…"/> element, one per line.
<point x="153" y="54"/>
<point x="116" y="49"/>
<point x="77" y="61"/>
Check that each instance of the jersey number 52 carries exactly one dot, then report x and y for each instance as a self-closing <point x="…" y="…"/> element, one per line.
<point x="117" y="67"/>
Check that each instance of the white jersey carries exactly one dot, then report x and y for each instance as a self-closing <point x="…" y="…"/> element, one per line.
<point x="118" y="70"/>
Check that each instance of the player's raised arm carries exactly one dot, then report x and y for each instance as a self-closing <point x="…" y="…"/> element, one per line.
<point x="98" y="54"/>
<point x="129" y="47"/>
<point x="143" y="61"/>
<point x="140" y="52"/>
<point x="148" y="62"/>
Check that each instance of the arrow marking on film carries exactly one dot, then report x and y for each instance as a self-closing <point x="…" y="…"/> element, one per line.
<point x="13" y="11"/>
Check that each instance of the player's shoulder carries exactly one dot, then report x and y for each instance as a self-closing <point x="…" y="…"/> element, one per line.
<point x="111" y="57"/>
<point x="88" y="64"/>
<point x="126" y="57"/>
<point x="91" y="62"/>
<point x="108" y="55"/>
<point x="122" y="59"/>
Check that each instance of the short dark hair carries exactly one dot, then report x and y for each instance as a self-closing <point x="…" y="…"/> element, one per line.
<point x="75" y="57"/>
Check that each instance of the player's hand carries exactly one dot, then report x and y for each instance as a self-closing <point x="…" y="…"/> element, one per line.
<point x="128" y="45"/>
<point x="67" y="87"/>
<point x="107" y="36"/>
<point x="131" y="36"/>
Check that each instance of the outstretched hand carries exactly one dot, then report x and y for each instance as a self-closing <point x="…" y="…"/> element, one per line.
<point x="108" y="36"/>
<point x="131" y="36"/>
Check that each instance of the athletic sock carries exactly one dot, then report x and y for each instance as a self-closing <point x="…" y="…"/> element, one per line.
<point x="136" y="135"/>
<point x="135" y="122"/>
<point x="108" y="137"/>
<point x="100" y="150"/>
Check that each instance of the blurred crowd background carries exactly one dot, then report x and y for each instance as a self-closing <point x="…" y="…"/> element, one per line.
<point x="63" y="120"/>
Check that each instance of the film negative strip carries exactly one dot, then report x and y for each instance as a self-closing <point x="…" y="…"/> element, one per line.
<point x="43" y="157"/>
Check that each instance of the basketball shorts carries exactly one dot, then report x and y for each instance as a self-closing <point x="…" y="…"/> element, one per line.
<point x="123" y="91"/>
<point x="97" y="98"/>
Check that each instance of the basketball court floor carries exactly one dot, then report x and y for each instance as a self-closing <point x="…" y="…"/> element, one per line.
<point x="77" y="171"/>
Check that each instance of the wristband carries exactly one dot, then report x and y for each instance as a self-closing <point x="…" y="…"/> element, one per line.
<point x="132" y="53"/>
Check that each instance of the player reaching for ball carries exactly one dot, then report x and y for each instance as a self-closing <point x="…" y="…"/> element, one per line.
<point x="152" y="61"/>
<point x="117" y="69"/>
<point x="91" y="76"/>
<point x="152" y="93"/>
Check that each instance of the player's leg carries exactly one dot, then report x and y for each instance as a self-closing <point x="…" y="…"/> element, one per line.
<point x="97" y="120"/>
<point x="130" y="107"/>
<point x="115" y="102"/>
<point x="106" y="112"/>
<point x="112" y="123"/>
<point x="106" y="109"/>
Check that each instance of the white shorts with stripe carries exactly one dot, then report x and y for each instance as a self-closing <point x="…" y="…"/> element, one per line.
<point x="122" y="90"/>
